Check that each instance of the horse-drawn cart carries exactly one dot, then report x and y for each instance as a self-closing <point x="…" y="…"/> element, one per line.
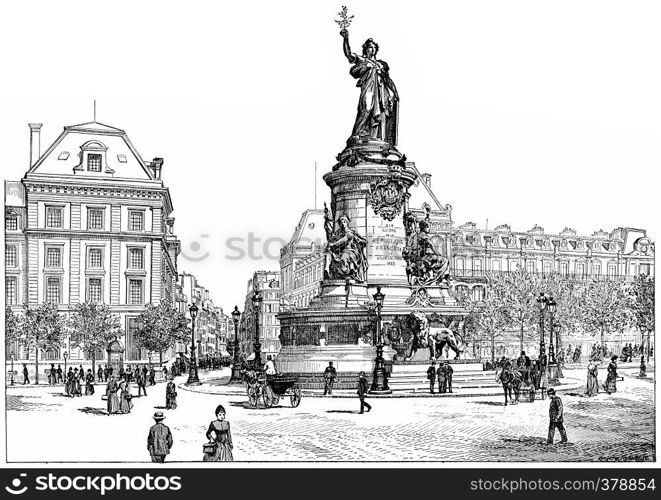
<point x="271" y="388"/>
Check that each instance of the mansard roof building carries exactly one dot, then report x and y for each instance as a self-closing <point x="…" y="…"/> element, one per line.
<point x="90" y="221"/>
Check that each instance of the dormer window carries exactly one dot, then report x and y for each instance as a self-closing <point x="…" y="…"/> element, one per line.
<point x="93" y="158"/>
<point x="94" y="162"/>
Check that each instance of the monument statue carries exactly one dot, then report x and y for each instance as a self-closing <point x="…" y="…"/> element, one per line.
<point x="346" y="252"/>
<point x="424" y="265"/>
<point x="378" y="102"/>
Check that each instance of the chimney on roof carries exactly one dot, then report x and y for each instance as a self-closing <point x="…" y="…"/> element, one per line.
<point x="35" y="142"/>
<point x="157" y="165"/>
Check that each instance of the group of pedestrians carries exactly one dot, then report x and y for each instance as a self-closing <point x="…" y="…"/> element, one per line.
<point x="444" y="376"/>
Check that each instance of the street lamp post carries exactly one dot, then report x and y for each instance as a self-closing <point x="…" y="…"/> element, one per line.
<point x="542" y="301"/>
<point x="66" y="356"/>
<point x="257" y="346"/>
<point x="12" y="368"/>
<point x="553" y="365"/>
<point x="193" y="379"/>
<point x="556" y="327"/>
<point x="236" y="364"/>
<point x="380" y="378"/>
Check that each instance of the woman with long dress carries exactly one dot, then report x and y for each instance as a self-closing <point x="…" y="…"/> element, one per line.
<point x="77" y="390"/>
<point x="170" y="396"/>
<point x="111" y="393"/>
<point x="592" y="388"/>
<point x="125" y="403"/>
<point x="611" y="379"/>
<point x="219" y="434"/>
<point x="89" y="383"/>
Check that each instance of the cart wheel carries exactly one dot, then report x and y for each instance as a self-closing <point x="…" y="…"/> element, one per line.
<point x="252" y="395"/>
<point x="295" y="397"/>
<point x="267" y="394"/>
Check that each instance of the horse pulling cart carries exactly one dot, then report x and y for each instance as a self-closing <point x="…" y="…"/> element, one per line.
<point x="522" y="379"/>
<point x="270" y="388"/>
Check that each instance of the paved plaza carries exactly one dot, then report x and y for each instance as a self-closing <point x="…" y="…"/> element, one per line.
<point x="46" y="426"/>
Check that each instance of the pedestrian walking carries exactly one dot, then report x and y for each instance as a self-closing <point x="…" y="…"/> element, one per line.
<point x="431" y="376"/>
<point x="448" y="376"/>
<point x="171" y="395"/>
<point x="125" y="403"/>
<point x="145" y="371"/>
<point x="52" y="375"/>
<point x="159" y="440"/>
<point x="26" y="379"/>
<point x="152" y="375"/>
<point x="592" y="388"/>
<point x="105" y="373"/>
<point x="113" y="399"/>
<point x="59" y="375"/>
<point x="330" y="373"/>
<point x="89" y="383"/>
<point x="220" y="445"/>
<point x="611" y="379"/>
<point x="77" y="388"/>
<point x="362" y="390"/>
<point x="99" y="374"/>
<point x="141" y="381"/>
<point x="165" y="373"/>
<point x="68" y="385"/>
<point x="556" y="417"/>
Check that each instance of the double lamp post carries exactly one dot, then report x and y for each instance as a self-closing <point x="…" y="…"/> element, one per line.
<point x="548" y="303"/>
<point x="380" y="377"/>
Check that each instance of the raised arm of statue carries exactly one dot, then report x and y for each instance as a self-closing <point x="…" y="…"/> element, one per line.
<point x="347" y="49"/>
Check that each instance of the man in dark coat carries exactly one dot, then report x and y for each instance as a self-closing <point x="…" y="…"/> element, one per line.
<point x="59" y="374"/>
<point x="362" y="390"/>
<point x="556" y="417"/>
<point x="99" y="374"/>
<point x="152" y="375"/>
<point x="141" y="381"/>
<point x="447" y="368"/>
<point x="329" y="378"/>
<point x="26" y="379"/>
<point x="431" y="376"/>
<point x="159" y="440"/>
<point x="105" y="373"/>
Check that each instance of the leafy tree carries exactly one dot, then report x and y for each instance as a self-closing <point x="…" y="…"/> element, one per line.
<point x="488" y="317"/>
<point x="161" y="327"/>
<point x="12" y="328"/>
<point x="642" y="307"/>
<point x="92" y="327"/>
<point x="521" y="290"/>
<point x="606" y="307"/>
<point x="43" y="329"/>
<point x="569" y="296"/>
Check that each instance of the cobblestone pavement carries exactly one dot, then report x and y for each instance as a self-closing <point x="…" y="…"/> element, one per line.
<point x="619" y="427"/>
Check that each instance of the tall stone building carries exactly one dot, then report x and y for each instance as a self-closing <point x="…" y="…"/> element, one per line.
<point x="269" y="285"/>
<point x="90" y="221"/>
<point x="302" y="261"/>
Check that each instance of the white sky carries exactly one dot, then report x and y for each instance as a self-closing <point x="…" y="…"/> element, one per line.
<point x="524" y="112"/>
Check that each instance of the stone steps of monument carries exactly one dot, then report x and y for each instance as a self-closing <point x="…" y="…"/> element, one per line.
<point x="472" y="380"/>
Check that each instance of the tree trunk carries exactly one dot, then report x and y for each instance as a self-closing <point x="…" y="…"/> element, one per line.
<point x="36" y="365"/>
<point x="94" y="362"/>
<point x="521" y="349"/>
<point x="493" y="348"/>
<point x="603" y="334"/>
<point x="160" y="358"/>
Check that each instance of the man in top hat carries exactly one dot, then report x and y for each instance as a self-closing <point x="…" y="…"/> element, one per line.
<point x="159" y="440"/>
<point x="26" y="379"/>
<point x="556" y="417"/>
<point x="431" y="376"/>
<point x="448" y="370"/>
<point x="329" y="378"/>
<point x="362" y="390"/>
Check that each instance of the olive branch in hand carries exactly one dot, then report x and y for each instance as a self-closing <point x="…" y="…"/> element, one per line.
<point x="345" y="18"/>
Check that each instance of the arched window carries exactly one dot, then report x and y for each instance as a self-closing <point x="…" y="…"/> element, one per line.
<point x="477" y="264"/>
<point x="596" y="268"/>
<point x="478" y="293"/>
<point x="612" y="269"/>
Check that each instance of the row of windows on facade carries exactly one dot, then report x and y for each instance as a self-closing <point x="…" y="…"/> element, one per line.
<point x="308" y="276"/>
<point x="94" y="290"/>
<point x="53" y="257"/>
<point x="95" y="219"/>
